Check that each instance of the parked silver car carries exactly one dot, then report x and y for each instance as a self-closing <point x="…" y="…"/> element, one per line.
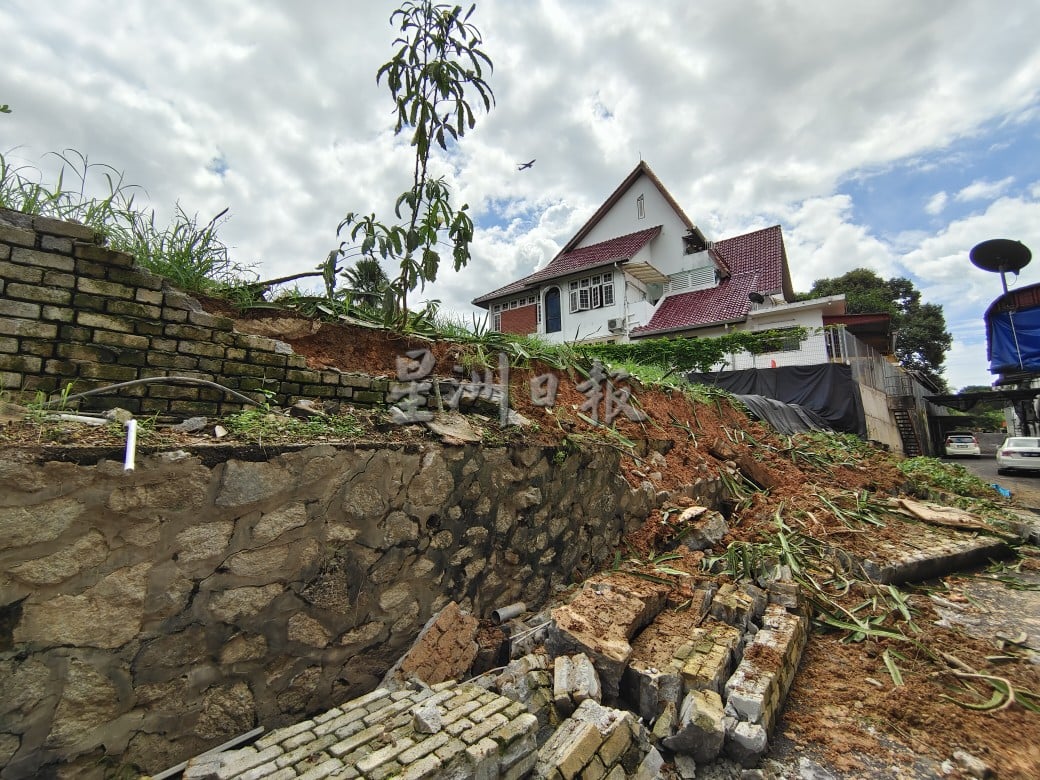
<point x="1019" y="453"/>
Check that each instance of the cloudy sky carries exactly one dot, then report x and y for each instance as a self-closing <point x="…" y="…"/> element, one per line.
<point x="885" y="134"/>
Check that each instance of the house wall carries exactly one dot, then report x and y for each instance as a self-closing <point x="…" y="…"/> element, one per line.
<point x="522" y="320"/>
<point x="583" y="325"/>
<point x="666" y="251"/>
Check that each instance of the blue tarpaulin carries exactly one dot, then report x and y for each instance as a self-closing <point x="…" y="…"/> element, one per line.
<point x="1014" y="341"/>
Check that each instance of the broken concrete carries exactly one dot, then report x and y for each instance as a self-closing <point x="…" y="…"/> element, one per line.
<point x="444" y="650"/>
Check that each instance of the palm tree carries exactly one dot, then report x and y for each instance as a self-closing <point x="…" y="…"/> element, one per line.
<point x="366" y="282"/>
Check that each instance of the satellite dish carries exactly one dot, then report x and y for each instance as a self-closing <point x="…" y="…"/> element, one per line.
<point x="1000" y="255"/>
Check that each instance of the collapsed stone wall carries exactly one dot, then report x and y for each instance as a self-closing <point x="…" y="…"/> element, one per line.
<point x="73" y="311"/>
<point x="148" y="615"/>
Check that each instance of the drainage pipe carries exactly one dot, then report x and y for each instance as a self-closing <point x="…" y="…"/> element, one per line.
<point x="131" y="445"/>
<point x="508" y="612"/>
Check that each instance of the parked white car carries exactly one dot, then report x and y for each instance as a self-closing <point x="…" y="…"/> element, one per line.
<point x="962" y="443"/>
<point x="1019" y="453"/>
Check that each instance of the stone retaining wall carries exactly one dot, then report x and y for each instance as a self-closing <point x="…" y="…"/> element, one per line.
<point x="147" y="616"/>
<point x="72" y="311"/>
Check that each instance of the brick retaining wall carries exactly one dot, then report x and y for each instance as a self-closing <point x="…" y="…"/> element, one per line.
<point x="72" y="311"/>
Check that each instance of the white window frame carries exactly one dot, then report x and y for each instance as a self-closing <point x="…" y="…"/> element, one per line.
<point x="591" y="292"/>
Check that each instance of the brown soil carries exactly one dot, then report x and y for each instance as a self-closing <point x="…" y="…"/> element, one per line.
<point x="843" y="706"/>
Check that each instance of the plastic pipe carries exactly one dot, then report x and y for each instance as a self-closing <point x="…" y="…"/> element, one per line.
<point x="131" y="445"/>
<point x="508" y="612"/>
<point x="80" y="418"/>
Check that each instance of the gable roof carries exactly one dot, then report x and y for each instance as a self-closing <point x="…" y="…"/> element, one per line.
<point x="640" y="170"/>
<point x="757" y="262"/>
<point x="615" y="250"/>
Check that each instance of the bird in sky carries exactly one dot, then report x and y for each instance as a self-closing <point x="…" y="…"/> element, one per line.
<point x="522" y="166"/>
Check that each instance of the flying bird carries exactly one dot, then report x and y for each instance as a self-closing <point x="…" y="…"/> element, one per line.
<point x="522" y="166"/>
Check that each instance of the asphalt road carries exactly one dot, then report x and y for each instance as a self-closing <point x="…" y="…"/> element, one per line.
<point x="1024" y="486"/>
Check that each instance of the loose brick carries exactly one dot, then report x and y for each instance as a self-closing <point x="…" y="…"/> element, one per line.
<point x="100" y="254"/>
<point x="60" y="227"/>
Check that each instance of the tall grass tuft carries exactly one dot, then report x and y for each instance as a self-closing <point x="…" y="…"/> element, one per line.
<point x="188" y="252"/>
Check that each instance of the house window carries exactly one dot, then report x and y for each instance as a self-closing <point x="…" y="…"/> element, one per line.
<point x="592" y="292"/>
<point x="640" y="208"/>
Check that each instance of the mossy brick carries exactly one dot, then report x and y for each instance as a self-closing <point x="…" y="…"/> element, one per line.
<point x="84" y="301"/>
<point x="92" y="319"/>
<point x="59" y="279"/>
<point x="164" y="345"/>
<point x="133" y="357"/>
<point x="56" y="244"/>
<point x="100" y="254"/>
<point x="91" y="269"/>
<point x="148" y="328"/>
<point x="154" y="405"/>
<point x="249" y="383"/>
<point x="243" y="369"/>
<point x="189" y="332"/>
<point x="150" y="297"/>
<point x="15" y="218"/>
<point x="296" y="361"/>
<point x="174" y="299"/>
<point x="266" y="359"/>
<point x="369" y="397"/>
<point x="17" y="236"/>
<point x="177" y="316"/>
<point x="11" y="380"/>
<point x="200" y="348"/>
<point x="195" y="407"/>
<point x="60" y="227"/>
<point x="24" y="363"/>
<point x="8" y="345"/>
<point x="211" y="394"/>
<point x="38" y="293"/>
<point x="330" y="377"/>
<point x="235" y="353"/>
<point x="45" y="384"/>
<point x="106" y="288"/>
<point x="289" y="388"/>
<point x="210" y="320"/>
<point x="380" y="385"/>
<point x="75" y="333"/>
<point x="133" y="309"/>
<point x="38" y="348"/>
<point x="357" y="381"/>
<point x="299" y="375"/>
<point x="66" y="368"/>
<point x="166" y="360"/>
<point x="227" y="338"/>
<point x="211" y="365"/>
<point x="5" y="252"/>
<point x="40" y="259"/>
<point x="127" y="340"/>
<point x="13" y="326"/>
<point x="317" y="391"/>
<point x="20" y="273"/>
<point x="57" y="314"/>
<point x="29" y="311"/>
<point x="137" y="278"/>
<point x="108" y="372"/>
<point x="249" y="341"/>
<point x="344" y="393"/>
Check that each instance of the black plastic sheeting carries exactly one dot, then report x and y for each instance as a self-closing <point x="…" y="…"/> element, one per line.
<point x="828" y="390"/>
<point x="786" y="418"/>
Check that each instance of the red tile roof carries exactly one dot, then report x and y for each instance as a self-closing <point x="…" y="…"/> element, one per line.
<point x="756" y="263"/>
<point x="615" y="250"/>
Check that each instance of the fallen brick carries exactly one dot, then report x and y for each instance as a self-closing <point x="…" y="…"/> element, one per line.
<point x="700" y="731"/>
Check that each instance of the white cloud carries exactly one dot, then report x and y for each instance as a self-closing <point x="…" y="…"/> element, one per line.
<point x="984" y="190"/>
<point x="751" y="113"/>
<point x="936" y="203"/>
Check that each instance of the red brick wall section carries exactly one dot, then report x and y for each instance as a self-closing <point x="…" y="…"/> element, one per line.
<point x="522" y="320"/>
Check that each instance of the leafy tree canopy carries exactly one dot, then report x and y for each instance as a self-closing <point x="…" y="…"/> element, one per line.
<point x="922" y="340"/>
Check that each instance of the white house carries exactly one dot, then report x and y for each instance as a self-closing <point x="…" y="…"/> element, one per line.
<point x="640" y="268"/>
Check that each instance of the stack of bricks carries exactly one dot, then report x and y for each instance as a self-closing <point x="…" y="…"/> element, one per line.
<point x="73" y="312"/>
<point x="449" y="730"/>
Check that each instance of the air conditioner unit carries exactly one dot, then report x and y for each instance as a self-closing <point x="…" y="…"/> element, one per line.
<point x="616" y="324"/>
